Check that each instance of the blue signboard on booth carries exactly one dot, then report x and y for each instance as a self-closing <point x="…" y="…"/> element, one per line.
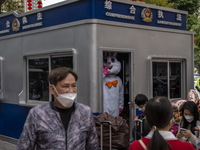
<point x="110" y="10"/>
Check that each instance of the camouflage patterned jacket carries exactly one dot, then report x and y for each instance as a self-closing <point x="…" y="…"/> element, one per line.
<point x="44" y="129"/>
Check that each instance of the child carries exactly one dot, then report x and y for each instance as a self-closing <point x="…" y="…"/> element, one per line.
<point x="141" y="101"/>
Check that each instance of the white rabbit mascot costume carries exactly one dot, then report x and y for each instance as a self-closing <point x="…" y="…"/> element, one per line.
<point x="113" y="92"/>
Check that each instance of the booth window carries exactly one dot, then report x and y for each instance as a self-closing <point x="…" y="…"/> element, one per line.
<point x="167" y="79"/>
<point x="37" y="74"/>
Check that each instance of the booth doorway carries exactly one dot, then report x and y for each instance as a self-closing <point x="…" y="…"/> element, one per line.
<point x="125" y="75"/>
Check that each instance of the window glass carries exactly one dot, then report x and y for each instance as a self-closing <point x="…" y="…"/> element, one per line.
<point x="38" y="71"/>
<point x="175" y="80"/>
<point x="167" y="79"/>
<point x="160" y="79"/>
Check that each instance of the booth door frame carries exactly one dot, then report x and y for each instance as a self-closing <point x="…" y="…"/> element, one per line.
<point x="129" y="53"/>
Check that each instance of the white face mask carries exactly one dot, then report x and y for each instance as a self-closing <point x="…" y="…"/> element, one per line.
<point x="189" y="118"/>
<point x="66" y="99"/>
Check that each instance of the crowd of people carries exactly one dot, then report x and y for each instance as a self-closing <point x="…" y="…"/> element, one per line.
<point x="161" y="136"/>
<point x="64" y="123"/>
<point x="158" y="113"/>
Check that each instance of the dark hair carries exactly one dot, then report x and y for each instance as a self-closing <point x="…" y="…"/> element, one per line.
<point x="158" y="113"/>
<point x="193" y="109"/>
<point x="58" y="74"/>
<point x="140" y="99"/>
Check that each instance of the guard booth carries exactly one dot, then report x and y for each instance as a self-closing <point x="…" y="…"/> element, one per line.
<point x="153" y="46"/>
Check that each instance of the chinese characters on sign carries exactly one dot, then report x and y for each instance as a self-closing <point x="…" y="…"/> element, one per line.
<point x="178" y="17"/>
<point x="146" y="15"/>
<point x="160" y="14"/>
<point x="128" y="12"/>
<point x="108" y="5"/>
<point x="132" y="10"/>
<point x="16" y="24"/>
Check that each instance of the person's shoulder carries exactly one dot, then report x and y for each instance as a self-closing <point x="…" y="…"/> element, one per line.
<point x="136" y="144"/>
<point x="83" y="110"/>
<point x="187" y="146"/>
<point x="82" y="106"/>
<point x="178" y="144"/>
<point x="39" y="108"/>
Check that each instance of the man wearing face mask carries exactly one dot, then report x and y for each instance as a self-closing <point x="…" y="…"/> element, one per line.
<point x="190" y="124"/>
<point x="62" y="124"/>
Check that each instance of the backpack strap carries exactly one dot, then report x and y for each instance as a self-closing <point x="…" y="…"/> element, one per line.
<point x="143" y="145"/>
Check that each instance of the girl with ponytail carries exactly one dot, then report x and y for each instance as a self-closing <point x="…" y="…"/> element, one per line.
<point x="159" y="113"/>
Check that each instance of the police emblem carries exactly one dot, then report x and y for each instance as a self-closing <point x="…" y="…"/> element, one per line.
<point x="15" y="24"/>
<point x="147" y="15"/>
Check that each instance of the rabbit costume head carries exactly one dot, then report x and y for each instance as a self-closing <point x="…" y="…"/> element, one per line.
<point x="111" y="62"/>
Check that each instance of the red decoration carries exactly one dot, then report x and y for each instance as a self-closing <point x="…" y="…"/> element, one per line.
<point x="29" y="3"/>
<point x="39" y="4"/>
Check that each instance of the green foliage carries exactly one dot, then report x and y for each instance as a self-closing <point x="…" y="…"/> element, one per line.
<point x="192" y="20"/>
<point x="12" y="5"/>
<point x="193" y="23"/>
<point x="188" y="5"/>
<point x="196" y="30"/>
<point x="164" y="3"/>
<point x="196" y="56"/>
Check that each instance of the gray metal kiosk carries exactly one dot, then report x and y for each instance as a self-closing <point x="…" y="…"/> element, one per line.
<point x="153" y="46"/>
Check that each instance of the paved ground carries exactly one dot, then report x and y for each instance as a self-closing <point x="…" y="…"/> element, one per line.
<point x="7" y="146"/>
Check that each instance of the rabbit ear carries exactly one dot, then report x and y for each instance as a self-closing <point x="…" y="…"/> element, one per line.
<point x="113" y="54"/>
